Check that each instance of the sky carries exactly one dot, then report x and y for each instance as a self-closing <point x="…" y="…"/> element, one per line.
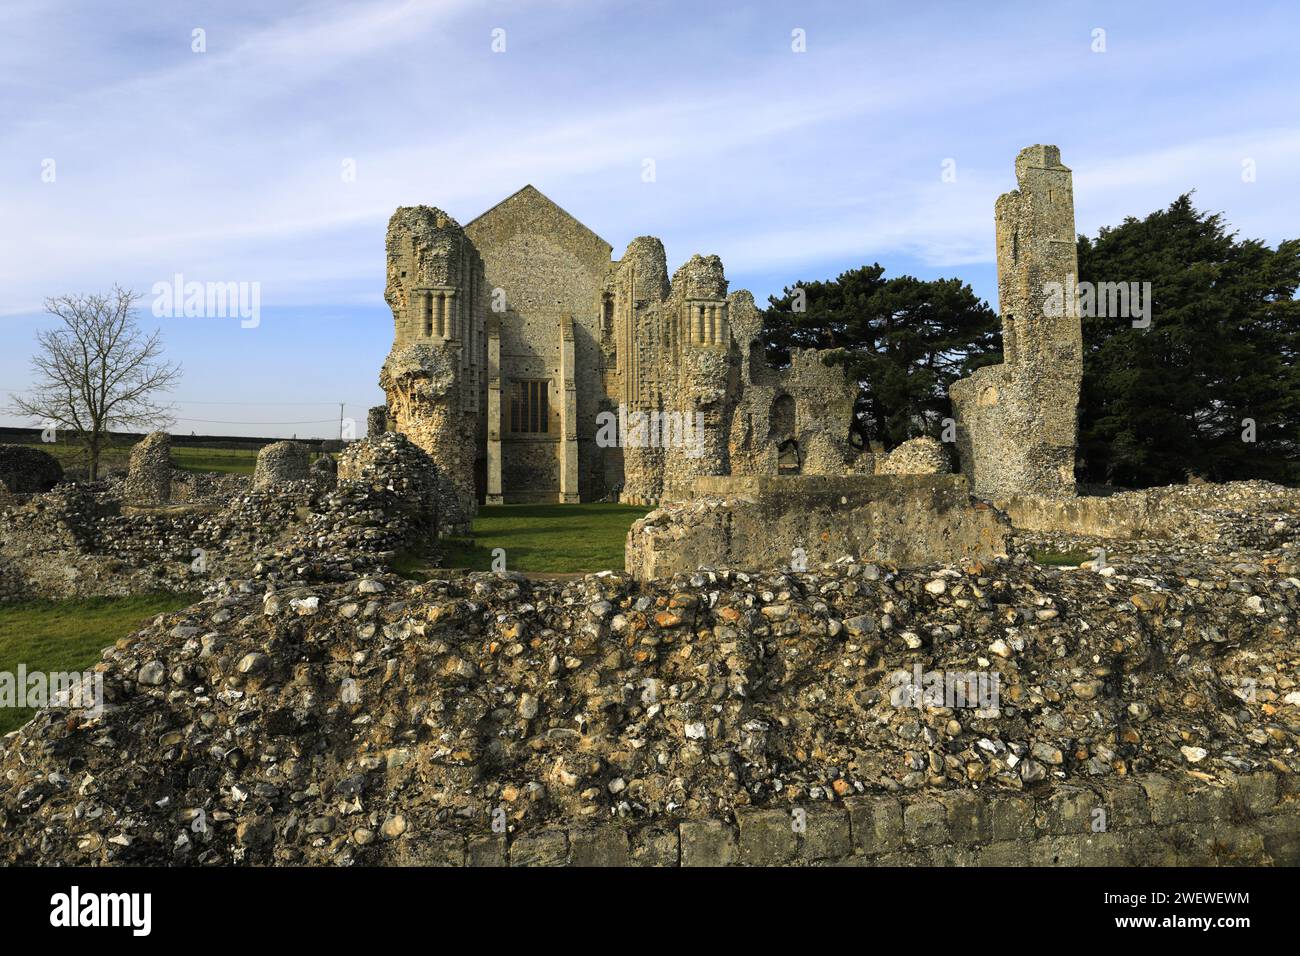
<point x="270" y="147"/>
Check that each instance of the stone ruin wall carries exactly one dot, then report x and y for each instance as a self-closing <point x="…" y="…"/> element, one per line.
<point x="547" y="272"/>
<point x="783" y="520"/>
<point x="609" y="335"/>
<point x="809" y="404"/>
<point x="81" y="540"/>
<point x="435" y="376"/>
<point x="696" y="349"/>
<point x="1016" y="422"/>
<point x="636" y="288"/>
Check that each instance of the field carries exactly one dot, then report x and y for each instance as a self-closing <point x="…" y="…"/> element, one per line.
<point x="233" y="460"/>
<point x="546" y="539"/>
<point x="53" y="636"/>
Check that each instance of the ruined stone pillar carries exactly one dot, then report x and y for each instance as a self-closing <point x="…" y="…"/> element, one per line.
<point x="494" y="496"/>
<point x="568" y="416"/>
<point x="1017" y="422"/>
<point x="149" y="475"/>
<point x="425" y="313"/>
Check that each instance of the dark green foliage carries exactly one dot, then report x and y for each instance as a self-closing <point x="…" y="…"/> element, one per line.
<point x="904" y="339"/>
<point x="1222" y="346"/>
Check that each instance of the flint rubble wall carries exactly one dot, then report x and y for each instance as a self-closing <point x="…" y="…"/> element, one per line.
<point x="367" y="720"/>
<point x="1151" y="820"/>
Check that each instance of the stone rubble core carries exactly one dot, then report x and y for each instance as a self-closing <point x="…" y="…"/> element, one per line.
<point x="80" y="540"/>
<point x="372" y="721"/>
<point x="771" y="522"/>
<point x="149" y="472"/>
<point x="280" y="461"/>
<point x="917" y="456"/>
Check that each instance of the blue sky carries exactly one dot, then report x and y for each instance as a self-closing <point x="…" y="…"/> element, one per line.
<point x="226" y="165"/>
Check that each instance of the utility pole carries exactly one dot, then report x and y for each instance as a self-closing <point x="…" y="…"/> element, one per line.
<point x="340" y="421"/>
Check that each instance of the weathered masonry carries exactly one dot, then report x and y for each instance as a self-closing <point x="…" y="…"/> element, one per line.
<point x="1016" y="422"/>
<point x="517" y="335"/>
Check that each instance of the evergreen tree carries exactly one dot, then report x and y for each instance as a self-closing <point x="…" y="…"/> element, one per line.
<point x="1220" y="354"/>
<point x="903" y="339"/>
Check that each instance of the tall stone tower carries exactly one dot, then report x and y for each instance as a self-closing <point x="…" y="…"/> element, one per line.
<point x="435" y="376"/>
<point x="1017" y="422"/>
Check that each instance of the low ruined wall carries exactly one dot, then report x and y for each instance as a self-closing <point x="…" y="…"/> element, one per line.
<point x="760" y="522"/>
<point x="80" y="541"/>
<point x="1237" y="514"/>
<point x="711" y="718"/>
<point x="1144" y="821"/>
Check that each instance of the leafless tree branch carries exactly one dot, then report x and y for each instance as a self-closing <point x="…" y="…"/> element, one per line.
<point x="97" y="371"/>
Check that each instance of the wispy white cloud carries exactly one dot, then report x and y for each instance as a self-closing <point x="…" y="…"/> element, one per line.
<point x="227" y="164"/>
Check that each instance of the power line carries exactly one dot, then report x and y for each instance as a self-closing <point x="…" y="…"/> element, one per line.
<point x="222" y="421"/>
<point x="194" y="401"/>
<point x="189" y="401"/>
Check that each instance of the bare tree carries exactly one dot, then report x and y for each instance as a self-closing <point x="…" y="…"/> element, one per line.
<point x="97" y="371"/>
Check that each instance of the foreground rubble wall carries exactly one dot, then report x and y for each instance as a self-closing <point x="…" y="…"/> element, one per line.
<point x="687" y="721"/>
<point x="1150" y="821"/>
<point x="761" y="522"/>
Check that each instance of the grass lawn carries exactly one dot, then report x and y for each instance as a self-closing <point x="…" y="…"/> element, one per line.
<point x="541" y="538"/>
<point x="238" y="461"/>
<point x="55" y="636"/>
<point x="1062" y="558"/>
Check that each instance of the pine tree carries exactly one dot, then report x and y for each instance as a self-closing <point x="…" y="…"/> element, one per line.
<point x="1217" y="362"/>
<point x="905" y="340"/>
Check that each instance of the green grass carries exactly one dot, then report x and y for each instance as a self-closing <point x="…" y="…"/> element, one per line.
<point x="72" y="455"/>
<point x="1062" y="558"/>
<point x="238" y="461"/>
<point x="69" y="636"/>
<point x="235" y="461"/>
<point x="547" y="539"/>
